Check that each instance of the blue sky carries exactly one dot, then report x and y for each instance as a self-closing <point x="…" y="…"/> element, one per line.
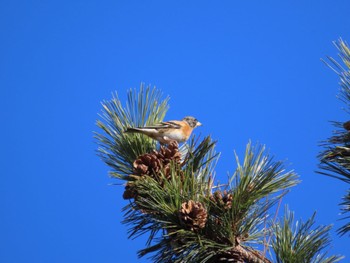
<point x="248" y="70"/>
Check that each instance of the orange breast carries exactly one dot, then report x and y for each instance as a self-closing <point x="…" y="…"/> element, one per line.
<point x="187" y="130"/>
<point x="183" y="133"/>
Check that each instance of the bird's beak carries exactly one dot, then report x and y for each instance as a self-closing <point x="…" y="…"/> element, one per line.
<point x="199" y="124"/>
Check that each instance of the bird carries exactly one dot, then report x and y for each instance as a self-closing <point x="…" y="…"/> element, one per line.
<point x="169" y="131"/>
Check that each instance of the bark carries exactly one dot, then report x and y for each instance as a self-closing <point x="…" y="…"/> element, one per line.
<point x="238" y="254"/>
<point x="251" y="256"/>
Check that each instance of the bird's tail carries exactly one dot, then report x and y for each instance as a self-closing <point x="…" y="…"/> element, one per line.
<point x="132" y="130"/>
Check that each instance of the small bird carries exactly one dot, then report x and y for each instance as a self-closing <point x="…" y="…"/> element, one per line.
<point x="166" y="132"/>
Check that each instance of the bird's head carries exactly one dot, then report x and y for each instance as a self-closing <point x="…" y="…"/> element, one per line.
<point x="193" y="122"/>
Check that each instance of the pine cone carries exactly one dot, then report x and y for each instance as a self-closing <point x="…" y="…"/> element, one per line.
<point x="130" y="191"/>
<point x="152" y="164"/>
<point x="193" y="215"/>
<point x="346" y="125"/>
<point x="169" y="153"/>
<point x="147" y="164"/>
<point x="222" y="199"/>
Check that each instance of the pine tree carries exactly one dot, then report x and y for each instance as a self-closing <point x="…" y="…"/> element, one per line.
<point x="335" y="159"/>
<point x="173" y="198"/>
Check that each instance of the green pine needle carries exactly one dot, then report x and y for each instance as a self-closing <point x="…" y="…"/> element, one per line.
<point x="117" y="149"/>
<point x="296" y="242"/>
<point x="156" y="209"/>
<point x="257" y="185"/>
<point x="335" y="159"/>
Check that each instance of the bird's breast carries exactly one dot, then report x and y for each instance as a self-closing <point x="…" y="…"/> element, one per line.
<point x="177" y="135"/>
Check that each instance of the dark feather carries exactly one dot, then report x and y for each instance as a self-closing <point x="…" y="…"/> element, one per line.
<point x="162" y="125"/>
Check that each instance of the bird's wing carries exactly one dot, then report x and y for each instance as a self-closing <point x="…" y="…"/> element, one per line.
<point x="172" y="124"/>
<point x="164" y="125"/>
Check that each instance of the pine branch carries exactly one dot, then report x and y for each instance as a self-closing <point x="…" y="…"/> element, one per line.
<point x="170" y="189"/>
<point x="345" y="210"/>
<point x="255" y="184"/>
<point x="335" y="159"/>
<point x="118" y="150"/>
<point x="300" y="241"/>
<point x="229" y="226"/>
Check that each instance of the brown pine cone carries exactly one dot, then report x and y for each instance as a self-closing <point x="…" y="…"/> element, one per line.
<point x="169" y="153"/>
<point x="130" y="191"/>
<point x="222" y="199"/>
<point x="147" y="164"/>
<point x="193" y="215"/>
<point x="346" y="125"/>
<point x="152" y="164"/>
